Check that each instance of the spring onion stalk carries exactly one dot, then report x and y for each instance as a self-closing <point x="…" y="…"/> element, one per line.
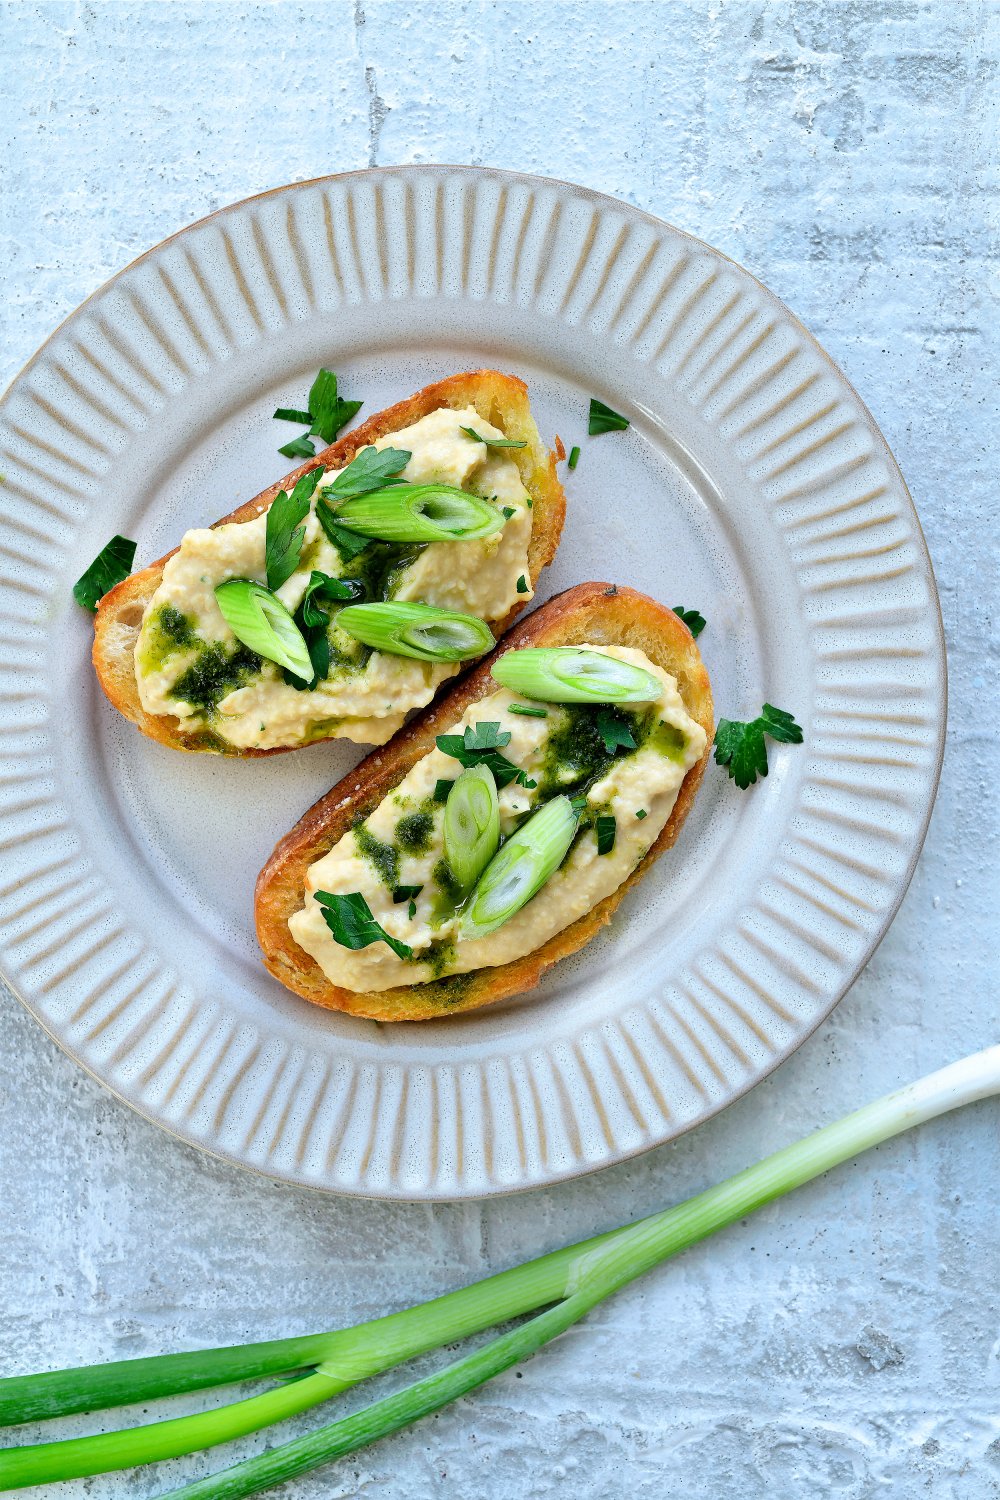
<point x="417" y="630"/>
<point x="567" y="674"/>
<point x="420" y="513"/>
<point x="471" y="825"/>
<point x="520" y="869"/>
<point x="567" y="1283"/>
<point x="260" y="620"/>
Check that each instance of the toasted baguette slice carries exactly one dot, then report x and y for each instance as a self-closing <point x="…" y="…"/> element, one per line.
<point x="598" y="613"/>
<point x="500" y="399"/>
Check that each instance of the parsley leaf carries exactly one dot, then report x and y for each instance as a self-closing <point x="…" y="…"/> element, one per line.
<point x="488" y="736"/>
<point x="350" y="920"/>
<point x="606" y="828"/>
<point x="283" y="538"/>
<point x="348" y="543"/>
<point x="740" y="746"/>
<point x="300" y="447"/>
<point x="481" y="745"/>
<point x="494" y="442"/>
<point x="694" y="621"/>
<point x="327" y="412"/>
<point x="322" y="587"/>
<point x="603" y="419"/>
<point x="371" y="469"/>
<point x="614" y="731"/>
<point x="111" y="565"/>
<point x="401" y="893"/>
<point x="314" y="623"/>
<point x="780" y="725"/>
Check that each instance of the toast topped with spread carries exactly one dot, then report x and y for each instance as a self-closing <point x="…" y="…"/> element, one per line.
<point x="501" y="828"/>
<point x="445" y="506"/>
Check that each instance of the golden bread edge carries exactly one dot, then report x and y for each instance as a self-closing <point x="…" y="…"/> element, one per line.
<point x="599" y="613"/>
<point x="498" y="398"/>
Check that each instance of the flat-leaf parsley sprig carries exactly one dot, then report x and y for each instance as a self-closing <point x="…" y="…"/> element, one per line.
<point x="327" y="414"/>
<point x="740" y="746"/>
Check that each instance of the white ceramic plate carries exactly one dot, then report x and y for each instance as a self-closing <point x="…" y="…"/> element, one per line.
<point x="752" y="484"/>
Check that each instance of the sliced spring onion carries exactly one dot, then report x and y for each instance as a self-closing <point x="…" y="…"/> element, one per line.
<point x="260" y="620"/>
<point x="567" y="674"/>
<point x="527" y="711"/>
<point x="417" y="630"/>
<point x="420" y="513"/>
<point x="574" y="458"/>
<point x="520" y="869"/>
<point x="471" y="825"/>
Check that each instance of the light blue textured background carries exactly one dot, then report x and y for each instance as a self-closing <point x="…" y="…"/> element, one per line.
<point x="846" y="1343"/>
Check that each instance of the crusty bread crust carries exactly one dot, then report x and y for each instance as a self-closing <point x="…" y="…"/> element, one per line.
<point x="498" y="398"/>
<point x="598" y="613"/>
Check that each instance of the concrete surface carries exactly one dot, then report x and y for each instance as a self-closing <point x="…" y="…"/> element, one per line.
<point x="846" y="1343"/>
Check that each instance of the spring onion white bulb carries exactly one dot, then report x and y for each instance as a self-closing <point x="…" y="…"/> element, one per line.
<point x="566" y="1283"/>
<point x="568" y="674"/>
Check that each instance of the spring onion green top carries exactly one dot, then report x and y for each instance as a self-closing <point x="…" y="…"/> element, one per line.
<point x="562" y="779"/>
<point x="325" y="548"/>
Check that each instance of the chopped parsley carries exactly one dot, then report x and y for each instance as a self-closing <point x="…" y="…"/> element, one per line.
<point x="371" y="469"/>
<point x="285" y="533"/>
<point x="441" y="790"/>
<point x="481" y="745"/>
<point x="111" y="565"/>
<point x="614" y="730"/>
<point x="603" y="419"/>
<point x="403" y="893"/>
<point x="740" y="746"/>
<point x="694" y="621"/>
<point x="494" y="442"/>
<point x="522" y="585"/>
<point x="606" y="828"/>
<point x="327" y="414"/>
<point x="350" y="920"/>
<point x="314" y="623"/>
<point x="641" y="813"/>
<point x="300" y="447"/>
